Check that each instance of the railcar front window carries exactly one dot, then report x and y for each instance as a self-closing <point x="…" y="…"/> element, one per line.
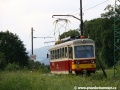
<point x="84" y="51"/>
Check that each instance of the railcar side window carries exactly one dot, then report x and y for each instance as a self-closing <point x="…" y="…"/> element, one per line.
<point x="57" y="53"/>
<point x="53" y="54"/>
<point x="70" y="52"/>
<point x="84" y="51"/>
<point x="66" y="52"/>
<point x="62" y="52"/>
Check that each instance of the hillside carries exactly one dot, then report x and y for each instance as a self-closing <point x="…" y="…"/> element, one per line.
<point x="41" y="54"/>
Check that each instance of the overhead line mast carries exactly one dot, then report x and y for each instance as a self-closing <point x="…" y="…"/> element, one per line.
<point x="81" y="27"/>
<point x="116" y="37"/>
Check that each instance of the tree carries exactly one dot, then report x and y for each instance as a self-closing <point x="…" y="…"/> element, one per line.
<point x="110" y="11"/>
<point x="70" y="33"/>
<point x="13" y="49"/>
<point x="2" y="61"/>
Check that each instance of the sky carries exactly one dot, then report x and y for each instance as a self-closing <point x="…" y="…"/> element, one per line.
<point x="19" y="16"/>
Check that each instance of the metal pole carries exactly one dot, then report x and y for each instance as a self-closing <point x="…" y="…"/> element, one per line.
<point x="116" y="37"/>
<point x="32" y="40"/>
<point x="81" y="26"/>
<point x="67" y="15"/>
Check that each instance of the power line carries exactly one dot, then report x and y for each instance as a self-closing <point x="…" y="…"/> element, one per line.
<point x="93" y="6"/>
<point x="96" y="5"/>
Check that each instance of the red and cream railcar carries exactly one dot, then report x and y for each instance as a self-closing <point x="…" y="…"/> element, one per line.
<point x="73" y="56"/>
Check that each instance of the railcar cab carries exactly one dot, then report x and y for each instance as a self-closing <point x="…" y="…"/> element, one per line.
<point x="84" y="56"/>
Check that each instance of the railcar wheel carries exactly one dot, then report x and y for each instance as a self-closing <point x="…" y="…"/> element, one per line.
<point x="88" y="73"/>
<point x="79" y="72"/>
<point x="70" y="71"/>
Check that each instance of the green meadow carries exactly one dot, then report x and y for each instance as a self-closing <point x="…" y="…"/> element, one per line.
<point x="27" y="80"/>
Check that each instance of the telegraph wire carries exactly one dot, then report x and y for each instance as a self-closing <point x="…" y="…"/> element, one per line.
<point x="92" y="7"/>
<point x="95" y="6"/>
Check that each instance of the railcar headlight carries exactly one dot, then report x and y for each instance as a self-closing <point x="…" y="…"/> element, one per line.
<point x="92" y="61"/>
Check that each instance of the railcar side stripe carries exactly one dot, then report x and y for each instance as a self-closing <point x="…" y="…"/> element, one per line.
<point x="83" y="66"/>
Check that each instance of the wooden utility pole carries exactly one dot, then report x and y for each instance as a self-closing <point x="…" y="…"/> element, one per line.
<point x="32" y="48"/>
<point x="32" y="41"/>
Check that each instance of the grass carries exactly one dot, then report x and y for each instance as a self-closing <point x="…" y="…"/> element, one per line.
<point x="26" y="80"/>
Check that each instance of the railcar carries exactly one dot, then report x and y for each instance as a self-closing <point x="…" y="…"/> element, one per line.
<point x="73" y="56"/>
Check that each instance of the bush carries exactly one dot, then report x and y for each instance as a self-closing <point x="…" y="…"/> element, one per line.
<point x="12" y="67"/>
<point x="2" y="61"/>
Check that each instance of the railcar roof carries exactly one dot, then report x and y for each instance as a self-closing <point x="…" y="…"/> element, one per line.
<point x="76" y="41"/>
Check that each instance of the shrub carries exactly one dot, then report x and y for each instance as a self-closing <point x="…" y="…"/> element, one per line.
<point x="12" y="67"/>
